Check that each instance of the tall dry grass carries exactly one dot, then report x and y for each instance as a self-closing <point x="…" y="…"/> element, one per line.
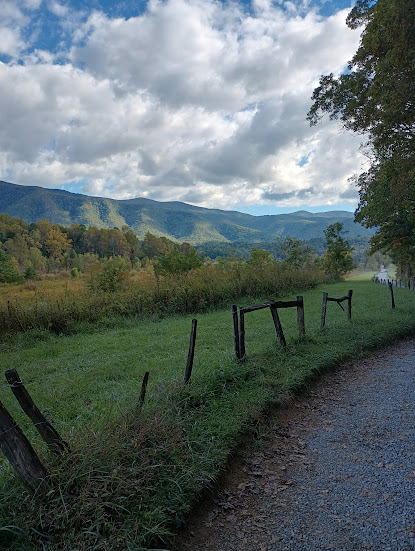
<point x="59" y="304"/>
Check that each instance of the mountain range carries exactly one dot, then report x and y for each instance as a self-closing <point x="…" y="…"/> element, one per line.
<point x="174" y="220"/>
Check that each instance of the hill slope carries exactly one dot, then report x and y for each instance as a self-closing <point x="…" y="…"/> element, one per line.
<point x="175" y="220"/>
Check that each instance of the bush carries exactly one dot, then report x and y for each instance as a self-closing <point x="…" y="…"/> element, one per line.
<point x="30" y="273"/>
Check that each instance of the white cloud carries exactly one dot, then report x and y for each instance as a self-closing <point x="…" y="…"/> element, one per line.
<point x="57" y="9"/>
<point x="193" y="100"/>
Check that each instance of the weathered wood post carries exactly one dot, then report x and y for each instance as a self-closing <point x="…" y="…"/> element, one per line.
<point x="49" y="434"/>
<point x="236" y="331"/>
<point x="19" y="452"/>
<point x="300" y="316"/>
<point x="349" y="304"/>
<point x="241" y="333"/>
<point x="391" y="293"/>
<point x="143" y="390"/>
<point x="277" y="324"/>
<point x="323" y="310"/>
<point x="191" y="354"/>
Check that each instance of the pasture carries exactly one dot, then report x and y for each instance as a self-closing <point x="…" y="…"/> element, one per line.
<point x="133" y="474"/>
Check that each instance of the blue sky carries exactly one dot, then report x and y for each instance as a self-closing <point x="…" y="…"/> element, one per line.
<point x="201" y="101"/>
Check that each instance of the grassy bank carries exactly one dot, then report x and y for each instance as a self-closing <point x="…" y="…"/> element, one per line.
<point x="133" y="474"/>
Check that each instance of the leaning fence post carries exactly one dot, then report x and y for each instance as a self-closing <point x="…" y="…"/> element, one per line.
<point x="323" y="310"/>
<point x="236" y="331"/>
<point x="191" y="355"/>
<point x="241" y="333"/>
<point x="143" y="390"/>
<point x="392" y="297"/>
<point x="19" y="452"/>
<point x="349" y="304"/>
<point x="300" y="316"/>
<point x="277" y="324"/>
<point x="44" y="428"/>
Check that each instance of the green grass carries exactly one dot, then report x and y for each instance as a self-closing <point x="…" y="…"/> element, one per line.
<point x="133" y="475"/>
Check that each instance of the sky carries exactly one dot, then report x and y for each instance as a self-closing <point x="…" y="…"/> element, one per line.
<point x="200" y="101"/>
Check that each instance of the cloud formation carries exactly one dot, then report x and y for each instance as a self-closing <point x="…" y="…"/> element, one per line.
<point x="192" y="100"/>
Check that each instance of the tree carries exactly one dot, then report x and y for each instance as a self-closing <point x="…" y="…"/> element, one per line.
<point x="259" y="257"/>
<point x="57" y="243"/>
<point x="153" y="246"/>
<point x="8" y="271"/>
<point x="176" y="262"/>
<point x="376" y="98"/>
<point x="338" y="260"/>
<point x="109" y="275"/>
<point x="293" y="251"/>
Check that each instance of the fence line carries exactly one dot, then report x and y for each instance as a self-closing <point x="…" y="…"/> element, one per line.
<point x="326" y="299"/>
<point x="239" y="325"/>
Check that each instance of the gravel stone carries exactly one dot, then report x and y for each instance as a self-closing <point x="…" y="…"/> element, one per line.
<point x="337" y="471"/>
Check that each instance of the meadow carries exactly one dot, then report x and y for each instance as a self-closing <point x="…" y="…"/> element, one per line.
<point x="134" y="472"/>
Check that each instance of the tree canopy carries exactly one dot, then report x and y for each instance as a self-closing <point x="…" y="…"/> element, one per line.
<point x="376" y="98"/>
<point x="338" y="261"/>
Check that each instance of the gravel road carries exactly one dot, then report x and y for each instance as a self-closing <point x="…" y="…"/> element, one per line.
<point x="335" y="471"/>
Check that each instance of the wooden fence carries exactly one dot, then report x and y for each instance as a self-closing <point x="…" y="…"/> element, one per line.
<point x="339" y="301"/>
<point x="239" y="324"/>
<point x="21" y="454"/>
<point x="18" y="449"/>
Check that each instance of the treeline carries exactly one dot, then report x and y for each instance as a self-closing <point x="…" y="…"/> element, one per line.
<point x="279" y="249"/>
<point x="30" y="250"/>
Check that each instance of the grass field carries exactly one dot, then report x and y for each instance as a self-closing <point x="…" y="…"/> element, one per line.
<point x="134" y="474"/>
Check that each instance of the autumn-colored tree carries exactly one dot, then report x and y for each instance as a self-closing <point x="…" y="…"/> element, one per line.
<point x="57" y="243"/>
<point x="153" y="246"/>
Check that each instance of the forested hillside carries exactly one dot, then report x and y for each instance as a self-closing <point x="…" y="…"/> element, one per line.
<point x="176" y="221"/>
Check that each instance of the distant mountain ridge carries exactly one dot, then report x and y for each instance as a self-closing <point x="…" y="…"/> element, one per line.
<point x="175" y="220"/>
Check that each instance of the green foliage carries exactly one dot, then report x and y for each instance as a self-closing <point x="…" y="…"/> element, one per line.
<point x="8" y="271"/>
<point x="109" y="275"/>
<point x="133" y="474"/>
<point x="377" y="98"/>
<point x="30" y="273"/>
<point x="338" y="261"/>
<point x="293" y="251"/>
<point x="177" y="261"/>
<point x="260" y="257"/>
<point x="74" y="272"/>
<point x="175" y="221"/>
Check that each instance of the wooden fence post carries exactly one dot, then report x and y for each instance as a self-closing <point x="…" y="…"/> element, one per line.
<point x="18" y="450"/>
<point x="44" y="428"/>
<point x="143" y="390"/>
<point x="236" y="331"/>
<point x="391" y="293"/>
<point x="191" y="355"/>
<point x="241" y="333"/>
<point x="277" y="324"/>
<point x="323" y="310"/>
<point x="300" y="316"/>
<point x="349" y="304"/>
